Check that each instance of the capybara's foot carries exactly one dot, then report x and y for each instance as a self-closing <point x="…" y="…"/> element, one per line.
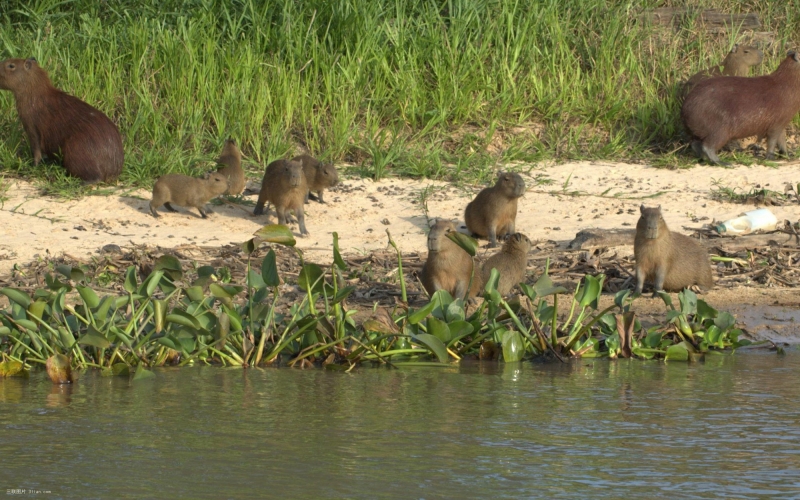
<point x="169" y="207"/>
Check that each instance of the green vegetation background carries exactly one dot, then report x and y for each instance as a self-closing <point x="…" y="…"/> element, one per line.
<point x="443" y="89"/>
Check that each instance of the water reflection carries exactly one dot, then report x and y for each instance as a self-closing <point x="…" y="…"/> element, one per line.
<point x="729" y="427"/>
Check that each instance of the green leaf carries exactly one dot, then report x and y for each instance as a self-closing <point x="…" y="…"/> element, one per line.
<point x="142" y="373"/>
<point x="343" y="294"/>
<point x="705" y="311"/>
<point x="653" y="339"/>
<point x="184" y="319"/>
<point x="11" y="368"/>
<point x="337" y="257"/>
<point x="435" y="345"/>
<point x="276" y="233"/>
<point x="255" y="281"/>
<point x="170" y="265"/>
<point x="94" y="338"/>
<point x="438" y="329"/>
<point x="469" y="244"/>
<point x="250" y="246"/>
<point x="421" y="314"/>
<point x="17" y="296"/>
<point x="590" y="291"/>
<point x="195" y="293"/>
<point x="120" y="370"/>
<point x="619" y="297"/>
<point x="688" y="300"/>
<point x="130" y="280"/>
<point x="713" y="334"/>
<point x="491" y="283"/>
<point x="150" y="283"/>
<point x="513" y="347"/>
<point x="101" y="313"/>
<point x="459" y="329"/>
<point x="724" y="320"/>
<point x="224" y="291"/>
<point x="37" y="308"/>
<point x="311" y="278"/>
<point x="269" y="269"/>
<point x="677" y="352"/>
<point x="544" y="286"/>
<point x="89" y="297"/>
<point x="666" y="298"/>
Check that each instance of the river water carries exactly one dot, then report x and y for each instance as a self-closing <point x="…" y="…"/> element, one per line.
<point x="725" y="428"/>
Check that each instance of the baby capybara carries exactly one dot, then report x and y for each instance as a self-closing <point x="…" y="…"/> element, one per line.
<point x="672" y="261"/>
<point x="720" y="109"/>
<point x="318" y="176"/>
<point x="448" y="266"/>
<point x="511" y="262"/>
<point x="493" y="213"/>
<point x="186" y="191"/>
<point x="736" y="63"/>
<point x="61" y="125"/>
<point x="284" y="185"/>
<point x="231" y="157"/>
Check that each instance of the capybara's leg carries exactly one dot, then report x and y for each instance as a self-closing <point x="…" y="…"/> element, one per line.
<point x="301" y="219"/>
<point x="307" y="196"/>
<point x="281" y="215"/>
<point x="710" y="153"/>
<point x="782" y="143"/>
<point x="697" y="147"/>
<point x="319" y="195"/>
<point x="492" y="234"/>
<point x="153" y="210"/>
<point x="661" y="275"/>
<point x="262" y="199"/>
<point x="169" y="207"/>
<point x="202" y="212"/>
<point x="461" y="290"/>
<point x="639" y="279"/>
<point x="772" y="142"/>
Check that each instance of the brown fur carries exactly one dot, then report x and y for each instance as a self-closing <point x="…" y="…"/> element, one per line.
<point x="511" y="262"/>
<point x="723" y="108"/>
<point x="672" y="261"/>
<point x="186" y="191"/>
<point x="448" y="266"/>
<point x="493" y="213"/>
<point x="60" y="125"/>
<point x="284" y="185"/>
<point x="231" y="157"/>
<point x="737" y="63"/>
<point x="318" y="175"/>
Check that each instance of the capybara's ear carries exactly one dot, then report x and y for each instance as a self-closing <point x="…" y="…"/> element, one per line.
<point x="641" y="208"/>
<point x="735" y="48"/>
<point x="793" y="55"/>
<point x="29" y="62"/>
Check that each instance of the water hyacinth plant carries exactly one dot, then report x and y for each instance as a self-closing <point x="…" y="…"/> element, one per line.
<point x="166" y="320"/>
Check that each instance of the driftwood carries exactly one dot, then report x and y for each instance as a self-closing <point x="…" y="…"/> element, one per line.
<point x="597" y="238"/>
<point x="712" y="20"/>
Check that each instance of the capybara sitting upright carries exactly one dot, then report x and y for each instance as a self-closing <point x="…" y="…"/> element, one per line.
<point x="186" y="191"/>
<point x="737" y="63"/>
<point x="673" y="261"/>
<point x="318" y="176"/>
<point x="723" y="108"/>
<point x="493" y="212"/>
<point x="448" y="267"/>
<point x="284" y="185"/>
<point x="511" y="262"/>
<point x="58" y="124"/>
<point x="231" y="157"/>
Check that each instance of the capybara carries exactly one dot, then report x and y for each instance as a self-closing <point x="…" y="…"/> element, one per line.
<point x="186" y="191"/>
<point x="511" y="262"/>
<point x="449" y="266"/>
<point x="231" y="157"/>
<point x="284" y="185"/>
<point x="60" y="125"/>
<point x="493" y="212"/>
<point x="673" y="261"/>
<point x="318" y="176"/>
<point x="737" y="63"/>
<point x="731" y="107"/>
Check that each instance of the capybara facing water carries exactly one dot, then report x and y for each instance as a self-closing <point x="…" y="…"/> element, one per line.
<point x="231" y="157"/>
<point x="284" y="185"/>
<point x="720" y="109"/>
<point x="511" y="262"/>
<point x="187" y="191"/>
<point x="448" y="266"/>
<point x="318" y="176"/>
<point x="58" y="124"/>
<point x="493" y="212"/>
<point x="673" y="261"/>
<point x="737" y="63"/>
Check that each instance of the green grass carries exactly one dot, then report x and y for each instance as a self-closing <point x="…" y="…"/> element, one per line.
<point x="448" y="89"/>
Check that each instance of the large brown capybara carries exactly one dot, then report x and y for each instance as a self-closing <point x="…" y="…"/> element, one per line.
<point x="318" y="176"/>
<point x="448" y="266"/>
<point x="720" y="109"/>
<point x="61" y="125"/>
<point x="511" y="262"/>
<point x="493" y="212"/>
<point x="231" y="157"/>
<point x="284" y="185"/>
<point x="737" y="63"/>
<point x="672" y="261"/>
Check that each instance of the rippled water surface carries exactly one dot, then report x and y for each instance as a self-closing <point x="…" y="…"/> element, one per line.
<point x="726" y="428"/>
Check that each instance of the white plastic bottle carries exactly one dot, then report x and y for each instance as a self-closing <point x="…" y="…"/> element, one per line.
<point x="751" y="221"/>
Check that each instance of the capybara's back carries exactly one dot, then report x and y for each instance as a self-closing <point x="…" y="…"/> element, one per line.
<point x="511" y="262"/>
<point x="448" y="266"/>
<point x="672" y="261"/>
<point x="720" y="109"/>
<point x="231" y="157"/>
<point x="493" y="212"/>
<point x="58" y="124"/>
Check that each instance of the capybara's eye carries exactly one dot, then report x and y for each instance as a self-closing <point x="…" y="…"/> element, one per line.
<point x="11" y="66"/>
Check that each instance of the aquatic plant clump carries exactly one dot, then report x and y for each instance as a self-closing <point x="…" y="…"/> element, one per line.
<point x="164" y="320"/>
